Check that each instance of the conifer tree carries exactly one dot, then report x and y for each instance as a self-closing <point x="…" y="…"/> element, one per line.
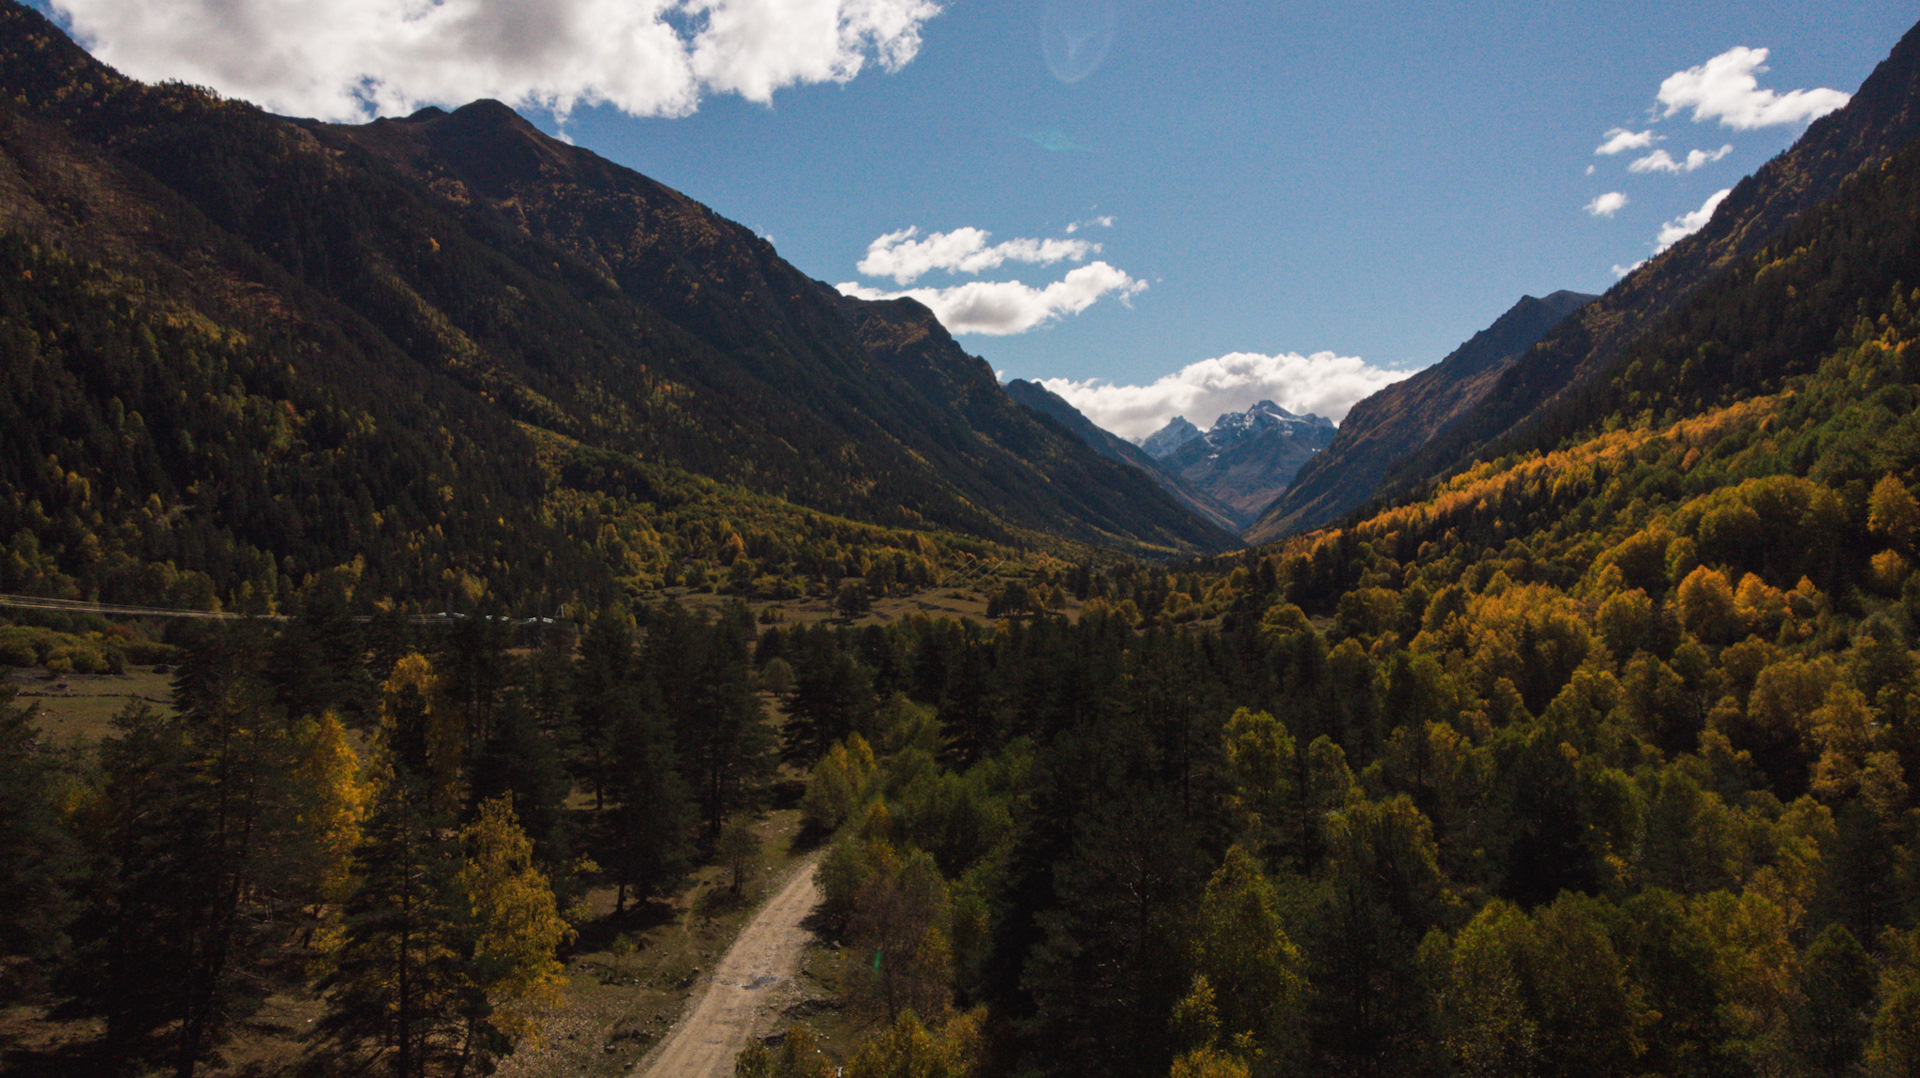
<point x="648" y="840"/>
<point x="521" y="761"/>
<point x="396" y="982"/>
<point x="39" y="862"/>
<point x="603" y="678"/>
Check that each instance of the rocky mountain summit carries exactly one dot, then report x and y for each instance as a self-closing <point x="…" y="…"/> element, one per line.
<point x="1246" y="459"/>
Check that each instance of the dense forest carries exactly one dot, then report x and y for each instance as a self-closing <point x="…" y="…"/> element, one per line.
<point x="372" y="815"/>
<point x="1592" y="759"/>
<point x="1595" y="756"/>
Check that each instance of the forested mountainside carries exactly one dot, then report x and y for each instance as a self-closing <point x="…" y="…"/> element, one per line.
<point x="470" y="355"/>
<point x="1388" y="425"/>
<point x="1113" y="447"/>
<point x="1882" y="118"/>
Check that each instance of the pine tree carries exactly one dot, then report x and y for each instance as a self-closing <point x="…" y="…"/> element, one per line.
<point x="39" y="861"/>
<point x="520" y="760"/>
<point x="603" y="676"/>
<point x="648" y="840"/>
<point x="395" y="982"/>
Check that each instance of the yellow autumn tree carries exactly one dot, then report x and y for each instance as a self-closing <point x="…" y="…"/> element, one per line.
<point x="1706" y="607"/>
<point x="1209" y="1063"/>
<point x="1887" y="571"/>
<point x="907" y="1049"/>
<point x="1246" y="958"/>
<point x="1893" y="514"/>
<point x="517" y="926"/>
<point x="1851" y="759"/>
<point x="330" y="793"/>
<point x="1761" y="607"/>
<point x="798" y="1057"/>
<point x="838" y="785"/>
<point x="1260" y="762"/>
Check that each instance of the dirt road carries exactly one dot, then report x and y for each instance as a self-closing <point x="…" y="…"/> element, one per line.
<point x="754" y="980"/>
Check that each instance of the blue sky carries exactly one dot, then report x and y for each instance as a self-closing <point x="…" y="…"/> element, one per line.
<point x="1310" y="194"/>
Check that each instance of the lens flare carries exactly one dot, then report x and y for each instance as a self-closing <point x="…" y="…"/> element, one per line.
<point x="1075" y="36"/>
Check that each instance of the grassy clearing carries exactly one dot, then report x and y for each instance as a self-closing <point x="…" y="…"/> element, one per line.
<point x="79" y="708"/>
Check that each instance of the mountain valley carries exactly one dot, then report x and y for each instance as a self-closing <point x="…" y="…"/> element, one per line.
<point x="1557" y="713"/>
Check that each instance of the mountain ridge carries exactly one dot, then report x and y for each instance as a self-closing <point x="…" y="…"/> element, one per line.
<point x="546" y="317"/>
<point x="1056" y="408"/>
<point x="1396" y="420"/>
<point x="1245" y="459"/>
<point x="1881" y="117"/>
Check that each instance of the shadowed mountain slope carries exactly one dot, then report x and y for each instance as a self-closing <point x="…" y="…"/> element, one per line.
<point x="464" y="278"/>
<point x="1882" y="118"/>
<point x="1404" y="416"/>
<point x="1113" y="447"/>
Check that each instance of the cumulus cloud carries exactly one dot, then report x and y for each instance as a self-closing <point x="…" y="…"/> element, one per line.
<point x="347" y="60"/>
<point x="1103" y="221"/>
<point x="904" y="258"/>
<point x="1606" y="205"/>
<point x="1002" y="308"/>
<point x="1726" y="89"/>
<point x="1321" y="384"/>
<point x="1688" y="223"/>
<point x="1661" y="161"/>
<point x="1619" y="140"/>
<point x="1679" y="229"/>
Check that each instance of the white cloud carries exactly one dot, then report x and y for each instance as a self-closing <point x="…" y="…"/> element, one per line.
<point x="1661" y="161"/>
<point x="964" y="250"/>
<point x="1679" y="229"/>
<point x="1688" y="223"/>
<point x="1606" y="205"/>
<point x="1619" y="140"/>
<point x="1725" y="88"/>
<point x="1321" y="384"/>
<point x="1103" y="221"/>
<point x="350" y="59"/>
<point x="1001" y="308"/>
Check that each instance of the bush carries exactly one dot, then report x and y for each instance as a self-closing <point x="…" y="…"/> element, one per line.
<point x="145" y="652"/>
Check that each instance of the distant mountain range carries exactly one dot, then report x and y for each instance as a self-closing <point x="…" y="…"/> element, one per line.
<point x="1246" y="459"/>
<point x="1113" y="447"/>
<point x="461" y="352"/>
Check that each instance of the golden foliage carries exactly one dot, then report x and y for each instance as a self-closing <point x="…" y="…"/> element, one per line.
<point x="518" y="923"/>
<point x="332" y="794"/>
